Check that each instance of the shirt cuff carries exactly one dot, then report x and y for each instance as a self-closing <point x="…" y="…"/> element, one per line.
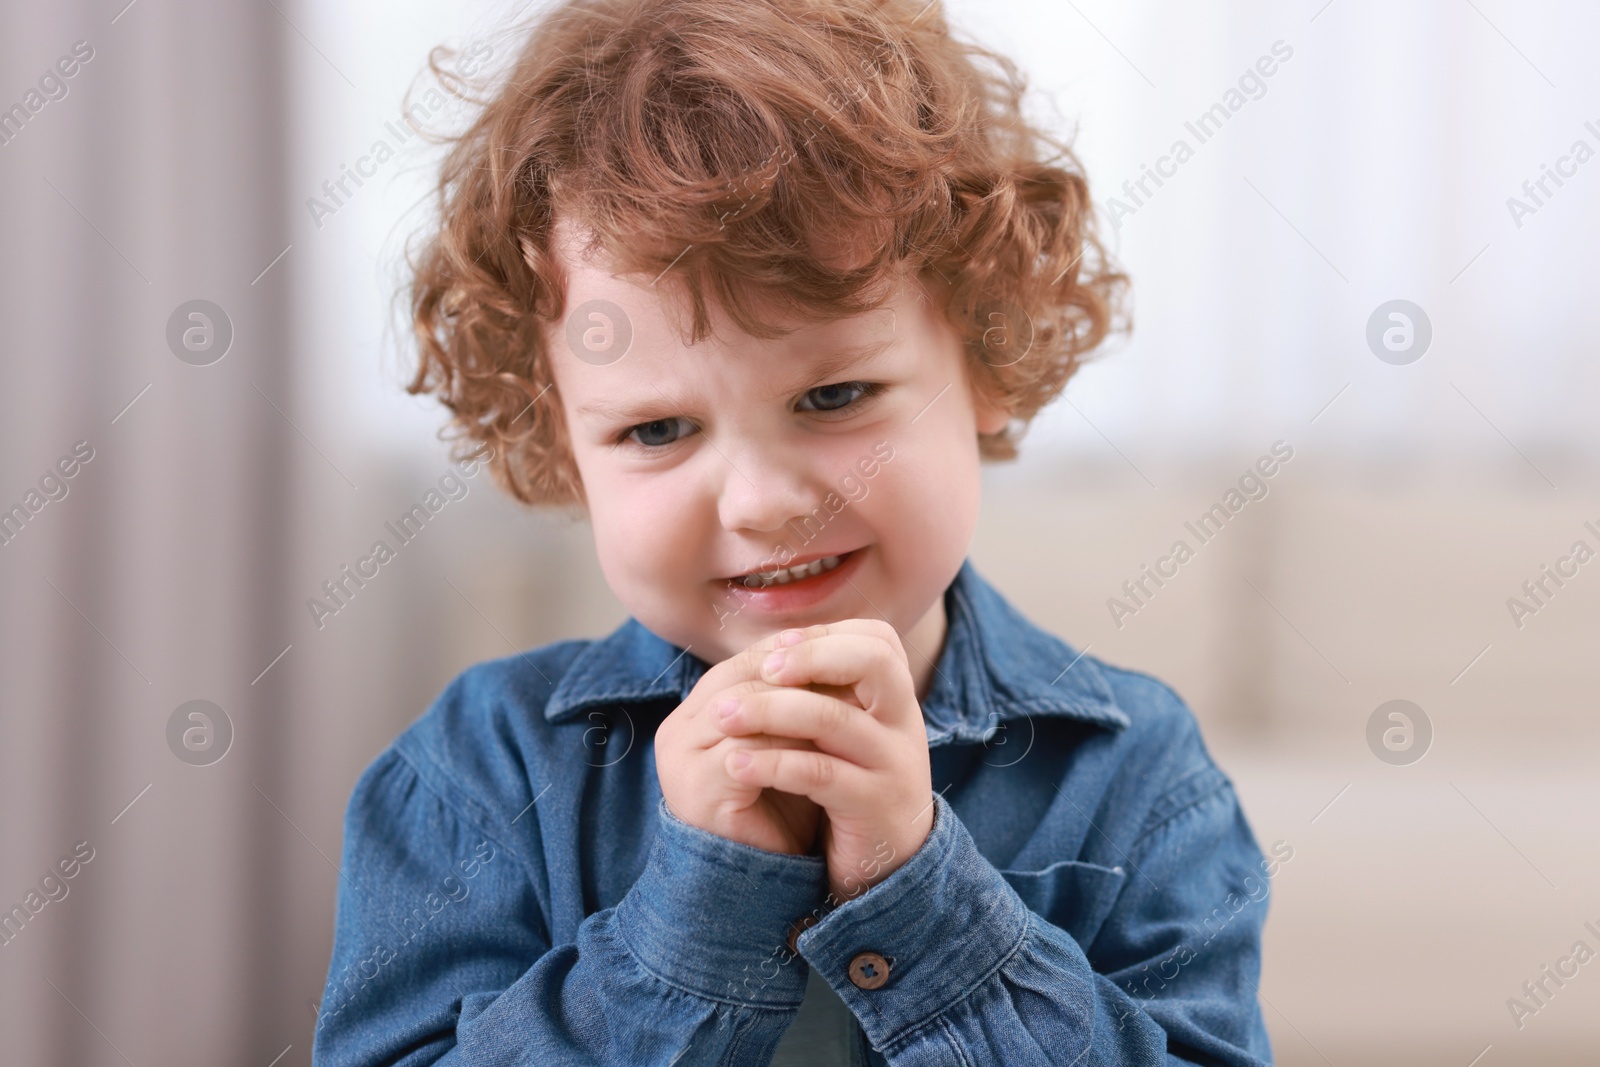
<point x="712" y="915"/>
<point x="943" y="923"/>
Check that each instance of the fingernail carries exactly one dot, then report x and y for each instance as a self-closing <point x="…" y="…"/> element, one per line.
<point x="741" y="759"/>
<point x="726" y="708"/>
<point x="791" y="637"/>
<point x="774" y="662"/>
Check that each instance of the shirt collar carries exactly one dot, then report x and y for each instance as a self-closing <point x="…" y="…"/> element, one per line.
<point x="995" y="666"/>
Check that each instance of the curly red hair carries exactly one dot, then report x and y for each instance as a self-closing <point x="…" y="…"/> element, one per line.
<point x="762" y="136"/>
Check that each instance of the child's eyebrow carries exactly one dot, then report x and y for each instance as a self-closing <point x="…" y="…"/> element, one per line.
<point x="839" y="358"/>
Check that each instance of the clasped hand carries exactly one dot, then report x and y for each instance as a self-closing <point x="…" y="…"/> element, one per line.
<point x="836" y="750"/>
<point x="846" y="688"/>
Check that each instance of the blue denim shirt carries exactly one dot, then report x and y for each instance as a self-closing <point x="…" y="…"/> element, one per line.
<point x="514" y="891"/>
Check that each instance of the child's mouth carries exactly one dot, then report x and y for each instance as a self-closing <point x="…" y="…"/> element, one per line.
<point x="790" y="575"/>
<point x="795" y="586"/>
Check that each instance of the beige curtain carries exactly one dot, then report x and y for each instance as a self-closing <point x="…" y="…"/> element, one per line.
<point x="148" y="177"/>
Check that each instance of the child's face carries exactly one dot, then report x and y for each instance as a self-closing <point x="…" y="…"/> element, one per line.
<point x="709" y="462"/>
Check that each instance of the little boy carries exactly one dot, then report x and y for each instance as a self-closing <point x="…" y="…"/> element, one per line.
<point x="754" y="286"/>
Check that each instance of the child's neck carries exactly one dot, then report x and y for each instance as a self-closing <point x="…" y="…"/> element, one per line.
<point x="924" y="642"/>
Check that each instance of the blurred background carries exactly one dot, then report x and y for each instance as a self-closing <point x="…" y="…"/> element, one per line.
<point x="187" y="484"/>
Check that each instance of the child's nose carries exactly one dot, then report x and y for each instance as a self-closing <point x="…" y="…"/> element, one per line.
<point x="764" y="487"/>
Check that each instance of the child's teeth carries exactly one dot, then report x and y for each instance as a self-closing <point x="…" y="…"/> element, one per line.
<point x="785" y="575"/>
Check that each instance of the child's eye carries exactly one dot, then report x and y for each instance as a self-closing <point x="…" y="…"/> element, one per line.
<point x="839" y="395"/>
<point x="654" y="434"/>
<point x="658" y="433"/>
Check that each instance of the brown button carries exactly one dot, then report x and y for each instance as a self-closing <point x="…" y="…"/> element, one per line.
<point x="798" y="927"/>
<point x="869" y="970"/>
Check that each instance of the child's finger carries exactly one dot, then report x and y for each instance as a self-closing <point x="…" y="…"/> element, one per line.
<point x="718" y="754"/>
<point x="706" y="731"/>
<point x="798" y="744"/>
<point x="746" y="665"/>
<point x="867" y="664"/>
<point x="877" y="628"/>
<point x="704" y="727"/>
<point x="836" y="727"/>
<point x="827" y="780"/>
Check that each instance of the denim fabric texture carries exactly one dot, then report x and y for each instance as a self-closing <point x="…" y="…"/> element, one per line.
<point x="514" y="890"/>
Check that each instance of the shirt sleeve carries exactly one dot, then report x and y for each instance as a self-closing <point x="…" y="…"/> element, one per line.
<point x="442" y="953"/>
<point x="977" y="976"/>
